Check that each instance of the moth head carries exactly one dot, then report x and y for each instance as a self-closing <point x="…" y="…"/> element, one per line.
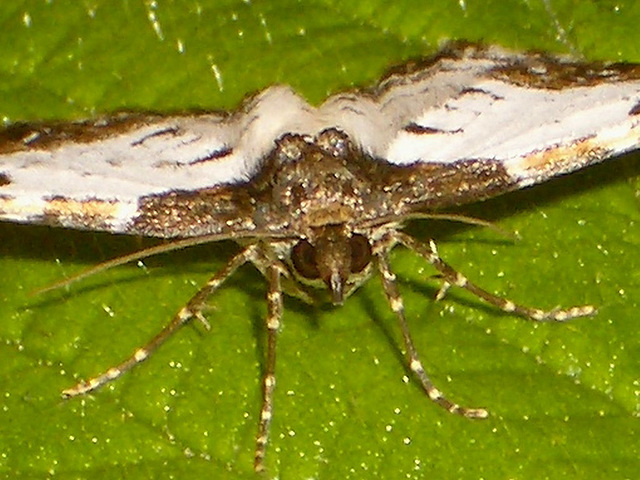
<point x="333" y="256"/>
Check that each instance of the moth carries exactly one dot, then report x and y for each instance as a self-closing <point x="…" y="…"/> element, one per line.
<point x="318" y="196"/>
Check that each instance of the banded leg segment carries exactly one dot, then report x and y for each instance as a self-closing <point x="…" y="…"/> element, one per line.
<point x="454" y="278"/>
<point x="397" y="305"/>
<point x="274" y="316"/>
<point x="193" y="309"/>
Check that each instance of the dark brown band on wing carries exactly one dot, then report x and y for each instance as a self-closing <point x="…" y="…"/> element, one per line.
<point x="478" y="91"/>
<point x="191" y="214"/>
<point x="4" y="179"/>
<point x="172" y="131"/>
<point x="547" y="72"/>
<point x="378" y="189"/>
<point x="432" y="186"/>
<point x="531" y="69"/>
<point x="425" y="130"/>
<point x="47" y="136"/>
<point x="19" y="137"/>
<point x="225" y="152"/>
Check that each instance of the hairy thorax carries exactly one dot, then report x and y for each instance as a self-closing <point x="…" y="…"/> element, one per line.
<point x="317" y="181"/>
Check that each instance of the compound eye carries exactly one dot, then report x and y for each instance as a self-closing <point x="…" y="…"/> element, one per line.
<point x="303" y="257"/>
<point x="360" y="253"/>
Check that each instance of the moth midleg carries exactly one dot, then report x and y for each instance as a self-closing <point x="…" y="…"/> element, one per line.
<point x="397" y="305"/>
<point x="274" y="316"/>
<point x="454" y="278"/>
<point x="192" y="309"/>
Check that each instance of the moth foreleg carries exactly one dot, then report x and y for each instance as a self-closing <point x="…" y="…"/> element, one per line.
<point x="397" y="305"/>
<point x="454" y="278"/>
<point x="192" y="309"/>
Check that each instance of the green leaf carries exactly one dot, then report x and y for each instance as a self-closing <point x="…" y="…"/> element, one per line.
<point x="563" y="397"/>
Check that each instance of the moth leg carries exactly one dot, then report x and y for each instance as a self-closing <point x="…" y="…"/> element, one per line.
<point x="455" y="278"/>
<point x="192" y="309"/>
<point x="396" y="304"/>
<point x="274" y="316"/>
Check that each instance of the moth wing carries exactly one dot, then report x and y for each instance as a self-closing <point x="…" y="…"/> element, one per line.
<point x="530" y="116"/>
<point x="94" y="174"/>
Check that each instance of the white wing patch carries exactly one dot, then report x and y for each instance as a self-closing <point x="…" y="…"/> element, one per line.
<point x="172" y="153"/>
<point x="524" y="124"/>
<point x="465" y="109"/>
